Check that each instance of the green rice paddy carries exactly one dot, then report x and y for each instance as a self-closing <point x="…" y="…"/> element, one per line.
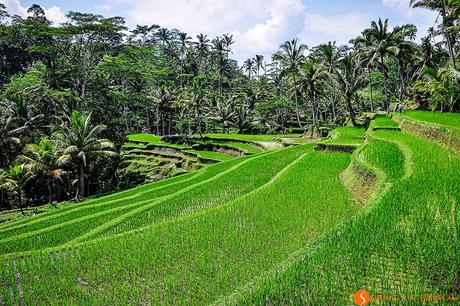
<point x="272" y="228"/>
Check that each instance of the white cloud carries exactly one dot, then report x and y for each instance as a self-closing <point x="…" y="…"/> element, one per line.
<point x="259" y="26"/>
<point x="103" y="7"/>
<point x="53" y="13"/>
<point x="284" y="21"/>
<point x="56" y="15"/>
<point x="15" y="7"/>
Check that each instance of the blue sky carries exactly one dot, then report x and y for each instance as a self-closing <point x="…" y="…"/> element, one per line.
<point x="259" y="26"/>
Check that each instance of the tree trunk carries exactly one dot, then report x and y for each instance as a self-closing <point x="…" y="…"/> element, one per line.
<point x="387" y="94"/>
<point x="372" y="90"/>
<point x="296" y="102"/>
<point x="20" y="191"/>
<point x="158" y="121"/>
<point x="448" y="37"/>
<point x="350" y="110"/>
<point x="81" y="183"/>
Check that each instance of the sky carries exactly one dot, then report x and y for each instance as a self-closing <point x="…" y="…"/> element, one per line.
<point x="259" y="26"/>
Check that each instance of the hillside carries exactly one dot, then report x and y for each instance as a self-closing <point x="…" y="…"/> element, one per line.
<point x="290" y="226"/>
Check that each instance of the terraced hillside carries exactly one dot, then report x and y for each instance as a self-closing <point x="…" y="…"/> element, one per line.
<point x="149" y="157"/>
<point x="306" y="224"/>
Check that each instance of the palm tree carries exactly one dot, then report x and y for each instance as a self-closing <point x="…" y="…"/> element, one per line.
<point x="382" y="43"/>
<point x="14" y="179"/>
<point x="249" y="67"/>
<point x="9" y="134"/>
<point x="313" y="79"/>
<point x="228" y="41"/>
<point x="184" y="42"/>
<point x="329" y="55"/>
<point x="223" y="112"/>
<point x="350" y="79"/>
<point x="43" y="160"/>
<point x="82" y="144"/>
<point x="259" y="62"/>
<point x="202" y="47"/>
<point x="163" y="99"/>
<point x="292" y="57"/>
<point x="443" y="7"/>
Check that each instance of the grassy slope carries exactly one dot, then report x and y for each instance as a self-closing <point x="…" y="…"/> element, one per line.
<point x="212" y="155"/>
<point x="255" y="138"/>
<point x="445" y="119"/>
<point x="348" y="136"/>
<point x="197" y="259"/>
<point x="63" y="225"/>
<point x="406" y="243"/>
<point x="386" y="156"/>
<point x="385" y="122"/>
<point x="152" y="139"/>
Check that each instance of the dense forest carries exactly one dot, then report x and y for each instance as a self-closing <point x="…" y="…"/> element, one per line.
<point x="70" y="93"/>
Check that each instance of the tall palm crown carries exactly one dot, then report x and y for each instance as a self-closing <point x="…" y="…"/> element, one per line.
<point x="329" y="54"/>
<point x="82" y="144"/>
<point x="14" y="179"/>
<point x="43" y="160"/>
<point x="292" y="56"/>
<point x="249" y="66"/>
<point x="313" y="80"/>
<point x="350" y="79"/>
<point x="445" y="9"/>
<point x="259" y="62"/>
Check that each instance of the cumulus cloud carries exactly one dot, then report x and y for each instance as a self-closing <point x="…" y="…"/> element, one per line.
<point x="284" y="21"/>
<point x="53" y="13"/>
<point x="259" y="26"/>
<point x="56" y="15"/>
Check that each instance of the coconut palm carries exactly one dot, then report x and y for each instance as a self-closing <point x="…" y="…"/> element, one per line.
<point x="228" y="41"/>
<point x="14" y="179"/>
<point x="329" y="55"/>
<point x="383" y="43"/>
<point x="443" y="7"/>
<point x="83" y="144"/>
<point x="292" y="56"/>
<point x="184" y="42"/>
<point x="250" y="67"/>
<point x="350" y="78"/>
<point x="312" y="81"/>
<point x="259" y="63"/>
<point x="202" y="47"/>
<point x="43" y="160"/>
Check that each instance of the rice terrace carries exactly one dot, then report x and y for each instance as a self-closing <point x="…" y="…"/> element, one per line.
<point x="141" y="165"/>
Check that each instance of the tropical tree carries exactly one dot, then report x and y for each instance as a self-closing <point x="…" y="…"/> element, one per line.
<point x="444" y="8"/>
<point x="43" y="160"/>
<point x="312" y="82"/>
<point x="14" y="180"/>
<point x="259" y="63"/>
<point x="250" y="67"/>
<point x="383" y="43"/>
<point x="291" y="57"/>
<point x="329" y="56"/>
<point x="82" y="145"/>
<point x="350" y="79"/>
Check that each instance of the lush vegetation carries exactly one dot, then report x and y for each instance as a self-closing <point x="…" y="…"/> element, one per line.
<point x="71" y="93"/>
<point x="451" y="120"/>
<point x="406" y="243"/>
<point x="172" y="175"/>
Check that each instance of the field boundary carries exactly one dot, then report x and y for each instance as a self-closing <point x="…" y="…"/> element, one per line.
<point x="74" y="244"/>
<point x="440" y="134"/>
